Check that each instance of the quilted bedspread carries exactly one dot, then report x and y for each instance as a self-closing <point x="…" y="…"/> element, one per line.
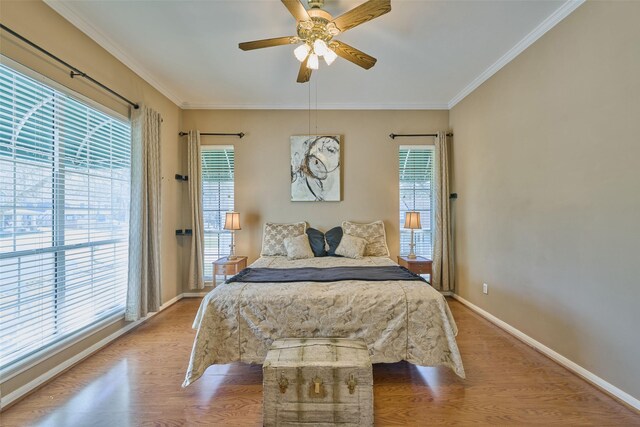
<point x="399" y="320"/>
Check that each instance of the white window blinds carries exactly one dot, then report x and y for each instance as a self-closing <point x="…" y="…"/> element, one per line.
<point x="217" y="199"/>
<point x="416" y="184"/>
<point x="64" y="205"/>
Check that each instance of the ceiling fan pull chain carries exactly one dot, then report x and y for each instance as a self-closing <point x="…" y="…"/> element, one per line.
<point x="309" y="87"/>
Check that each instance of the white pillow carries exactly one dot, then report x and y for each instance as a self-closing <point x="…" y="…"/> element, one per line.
<point x="351" y="247"/>
<point x="273" y="237"/>
<point x="373" y="233"/>
<point x="298" y="247"/>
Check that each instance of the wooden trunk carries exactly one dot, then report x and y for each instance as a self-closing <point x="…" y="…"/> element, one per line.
<point x="319" y="382"/>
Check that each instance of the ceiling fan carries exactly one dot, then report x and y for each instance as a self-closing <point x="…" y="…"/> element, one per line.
<point x="316" y="29"/>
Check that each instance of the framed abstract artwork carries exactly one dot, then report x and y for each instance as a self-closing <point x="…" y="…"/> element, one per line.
<point x="315" y="168"/>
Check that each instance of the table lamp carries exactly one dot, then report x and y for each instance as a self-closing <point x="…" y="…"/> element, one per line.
<point x="232" y="222"/>
<point x="412" y="222"/>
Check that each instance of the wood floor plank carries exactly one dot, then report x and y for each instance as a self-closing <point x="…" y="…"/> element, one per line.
<point x="136" y="381"/>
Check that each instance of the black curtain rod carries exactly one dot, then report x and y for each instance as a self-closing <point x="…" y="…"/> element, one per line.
<point x="411" y="135"/>
<point x="239" y="134"/>
<point x="74" y="71"/>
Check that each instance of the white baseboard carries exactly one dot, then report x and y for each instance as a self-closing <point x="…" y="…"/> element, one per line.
<point x="570" y="365"/>
<point x="194" y="294"/>
<point x="47" y="376"/>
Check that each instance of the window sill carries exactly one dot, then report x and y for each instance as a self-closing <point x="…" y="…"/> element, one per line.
<point x="49" y="351"/>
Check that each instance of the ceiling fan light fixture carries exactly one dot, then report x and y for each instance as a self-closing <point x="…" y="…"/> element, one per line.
<point x="301" y="52"/>
<point x="312" y="62"/>
<point x="329" y="56"/>
<point x="316" y="29"/>
<point x="320" y="47"/>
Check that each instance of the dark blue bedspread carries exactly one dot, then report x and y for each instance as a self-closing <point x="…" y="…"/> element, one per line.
<point x="331" y="274"/>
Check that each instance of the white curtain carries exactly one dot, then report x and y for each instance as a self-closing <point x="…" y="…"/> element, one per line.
<point x="196" y="261"/>
<point x="443" y="269"/>
<point x="143" y="293"/>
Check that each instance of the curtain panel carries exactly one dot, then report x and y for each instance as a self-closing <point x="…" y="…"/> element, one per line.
<point x="442" y="269"/>
<point x="194" y="165"/>
<point x="144" y="280"/>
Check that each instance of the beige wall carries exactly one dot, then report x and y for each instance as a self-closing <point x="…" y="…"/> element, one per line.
<point x="39" y="23"/>
<point x="370" y="165"/>
<point x="546" y="160"/>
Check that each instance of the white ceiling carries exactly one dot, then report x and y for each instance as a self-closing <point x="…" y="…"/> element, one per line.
<point x="430" y="53"/>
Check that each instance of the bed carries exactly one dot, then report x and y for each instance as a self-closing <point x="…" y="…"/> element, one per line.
<point x="398" y="319"/>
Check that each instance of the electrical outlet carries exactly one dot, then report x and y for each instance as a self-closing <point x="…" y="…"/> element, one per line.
<point x="485" y="289"/>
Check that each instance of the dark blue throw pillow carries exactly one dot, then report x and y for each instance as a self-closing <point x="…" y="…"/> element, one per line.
<point x="316" y="241"/>
<point x="333" y="237"/>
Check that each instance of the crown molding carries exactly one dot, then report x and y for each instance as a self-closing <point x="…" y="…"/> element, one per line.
<point x="304" y="106"/>
<point x="110" y="46"/>
<point x="103" y="40"/>
<point x="553" y="19"/>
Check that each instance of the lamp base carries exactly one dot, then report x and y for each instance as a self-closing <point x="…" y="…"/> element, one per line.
<point x="412" y="247"/>
<point x="232" y="247"/>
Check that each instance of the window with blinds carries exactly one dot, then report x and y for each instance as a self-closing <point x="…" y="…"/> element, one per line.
<point x="217" y="199"/>
<point x="64" y="207"/>
<point x="416" y="184"/>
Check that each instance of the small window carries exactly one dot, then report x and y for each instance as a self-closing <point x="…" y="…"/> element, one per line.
<point x="217" y="199"/>
<point x="416" y="194"/>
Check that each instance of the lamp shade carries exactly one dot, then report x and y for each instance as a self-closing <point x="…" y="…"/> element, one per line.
<point x="312" y="62"/>
<point x="330" y="56"/>
<point x="301" y="52"/>
<point x="412" y="220"/>
<point x="320" y="47"/>
<point x="232" y="221"/>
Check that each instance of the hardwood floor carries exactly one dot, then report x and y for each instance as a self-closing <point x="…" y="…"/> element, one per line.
<point x="136" y="381"/>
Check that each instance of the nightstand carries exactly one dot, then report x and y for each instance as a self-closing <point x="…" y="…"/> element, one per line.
<point x="228" y="266"/>
<point x="418" y="265"/>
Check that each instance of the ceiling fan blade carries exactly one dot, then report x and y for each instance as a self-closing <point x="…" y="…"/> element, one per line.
<point x="305" y="73"/>
<point x="361" y="14"/>
<point x="352" y="54"/>
<point x="297" y="10"/>
<point x="259" y="44"/>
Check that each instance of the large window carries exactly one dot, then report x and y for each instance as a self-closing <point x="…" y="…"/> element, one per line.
<point x="64" y="206"/>
<point x="217" y="199"/>
<point x="416" y="187"/>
